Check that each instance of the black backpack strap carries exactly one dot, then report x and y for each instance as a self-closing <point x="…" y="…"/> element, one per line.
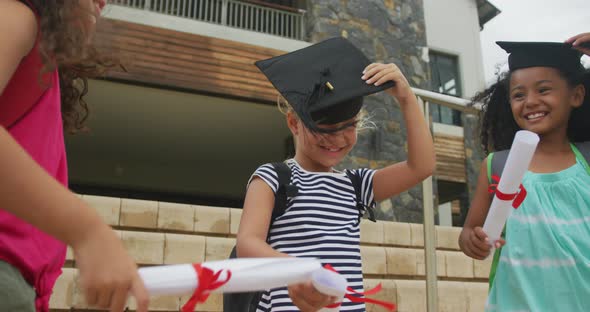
<point x="357" y="184"/>
<point x="284" y="190"/>
<point x="499" y="158"/>
<point x="497" y="164"/>
<point x="248" y="301"/>
<point x="584" y="149"/>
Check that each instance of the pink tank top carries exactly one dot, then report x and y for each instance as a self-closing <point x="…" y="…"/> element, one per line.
<point x="38" y="256"/>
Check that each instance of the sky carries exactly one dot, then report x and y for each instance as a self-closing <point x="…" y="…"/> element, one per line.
<point x="531" y="20"/>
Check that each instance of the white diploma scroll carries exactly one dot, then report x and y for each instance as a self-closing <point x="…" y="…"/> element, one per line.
<point x="517" y="163"/>
<point x="247" y="275"/>
<point x="329" y="283"/>
<point x="178" y="279"/>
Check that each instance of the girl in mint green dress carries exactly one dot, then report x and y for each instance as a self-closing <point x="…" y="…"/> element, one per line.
<point x="543" y="262"/>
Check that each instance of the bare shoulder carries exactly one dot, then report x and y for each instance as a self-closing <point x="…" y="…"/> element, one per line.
<point x="19" y="28"/>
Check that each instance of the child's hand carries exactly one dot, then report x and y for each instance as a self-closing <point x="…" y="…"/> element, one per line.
<point x="379" y="74"/>
<point x="308" y="299"/>
<point x="581" y="42"/>
<point x="475" y="243"/>
<point x="108" y="275"/>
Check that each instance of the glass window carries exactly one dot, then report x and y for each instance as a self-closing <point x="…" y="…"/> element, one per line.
<point x="445" y="79"/>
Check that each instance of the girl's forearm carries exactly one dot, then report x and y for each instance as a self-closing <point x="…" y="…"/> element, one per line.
<point x="30" y="193"/>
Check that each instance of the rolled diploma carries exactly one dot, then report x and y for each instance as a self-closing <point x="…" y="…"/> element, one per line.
<point x="257" y="275"/>
<point x="248" y="274"/>
<point x="178" y="279"/>
<point x="329" y="283"/>
<point x="517" y="163"/>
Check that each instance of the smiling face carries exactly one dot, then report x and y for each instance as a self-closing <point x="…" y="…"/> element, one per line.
<point x="541" y="100"/>
<point x="321" y="151"/>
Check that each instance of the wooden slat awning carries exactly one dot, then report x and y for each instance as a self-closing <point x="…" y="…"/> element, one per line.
<point x="169" y="58"/>
<point x="450" y="158"/>
<point x="181" y="60"/>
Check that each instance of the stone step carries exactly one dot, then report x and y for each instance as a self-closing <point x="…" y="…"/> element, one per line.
<point x="155" y="248"/>
<point x="171" y="217"/>
<point x="156" y="233"/>
<point x="409" y="295"/>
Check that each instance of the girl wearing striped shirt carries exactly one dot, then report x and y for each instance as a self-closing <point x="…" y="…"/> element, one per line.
<point x="322" y="221"/>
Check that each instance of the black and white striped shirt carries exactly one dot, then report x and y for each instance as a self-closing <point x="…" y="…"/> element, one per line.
<point x="320" y="222"/>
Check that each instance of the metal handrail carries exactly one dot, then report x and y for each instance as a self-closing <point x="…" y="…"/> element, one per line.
<point x="457" y="103"/>
<point x="232" y="13"/>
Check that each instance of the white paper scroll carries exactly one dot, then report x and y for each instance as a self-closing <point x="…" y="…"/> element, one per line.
<point x="519" y="159"/>
<point x="331" y="284"/>
<point x="179" y="279"/>
<point x="248" y="274"/>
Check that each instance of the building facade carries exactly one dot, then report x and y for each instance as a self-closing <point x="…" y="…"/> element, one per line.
<point x="177" y="130"/>
<point x="188" y="117"/>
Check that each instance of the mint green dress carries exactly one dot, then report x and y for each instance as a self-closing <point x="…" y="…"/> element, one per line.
<point x="545" y="264"/>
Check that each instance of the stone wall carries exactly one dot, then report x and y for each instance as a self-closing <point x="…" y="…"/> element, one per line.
<point x="474" y="153"/>
<point x="386" y="31"/>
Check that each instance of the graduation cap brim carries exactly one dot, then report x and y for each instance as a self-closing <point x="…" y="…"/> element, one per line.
<point x="544" y="54"/>
<point x="322" y="82"/>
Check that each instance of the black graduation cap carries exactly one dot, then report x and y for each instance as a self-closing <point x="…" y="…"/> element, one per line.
<point x="546" y="54"/>
<point x="322" y="82"/>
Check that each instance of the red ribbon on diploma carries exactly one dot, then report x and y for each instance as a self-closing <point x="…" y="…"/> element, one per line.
<point x="517" y="197"/>
<point x="388" y="305"/>
<point x="208" y="281"/>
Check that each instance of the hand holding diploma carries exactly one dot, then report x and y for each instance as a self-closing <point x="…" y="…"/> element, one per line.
<point x="509" y="193"/>
<point x="246" y="275"/>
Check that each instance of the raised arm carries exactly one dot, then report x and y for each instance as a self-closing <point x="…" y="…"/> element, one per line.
<point x="420" y="164"/>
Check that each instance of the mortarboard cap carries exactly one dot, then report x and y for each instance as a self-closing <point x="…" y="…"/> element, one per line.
<point x="545" y="54"/>
<point x="322" y="82"/>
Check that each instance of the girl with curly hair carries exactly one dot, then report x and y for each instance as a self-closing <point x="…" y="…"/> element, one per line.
<point x="543" y="262"/>
<point x="46" y="57"/>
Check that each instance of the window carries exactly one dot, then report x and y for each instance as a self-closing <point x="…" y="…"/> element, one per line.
<point x="444" y="69"/>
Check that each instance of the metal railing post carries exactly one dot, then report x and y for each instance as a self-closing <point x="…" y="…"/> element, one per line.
<point x="224" y="5"/>
<point x="302" y="18"/>
<point x="429" y="233"/>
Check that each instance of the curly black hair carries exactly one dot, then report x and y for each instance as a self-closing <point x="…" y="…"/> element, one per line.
<point x="498" y="127"/>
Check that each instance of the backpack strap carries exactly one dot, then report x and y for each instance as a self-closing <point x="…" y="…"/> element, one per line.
<point x="496" y="162"/>
<point x="494" y="265"/>
<point x="248" y="301"/>
<point x="284" y="191"/>
<point x="357" y="184"/>
<point x="582" y="152"/>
